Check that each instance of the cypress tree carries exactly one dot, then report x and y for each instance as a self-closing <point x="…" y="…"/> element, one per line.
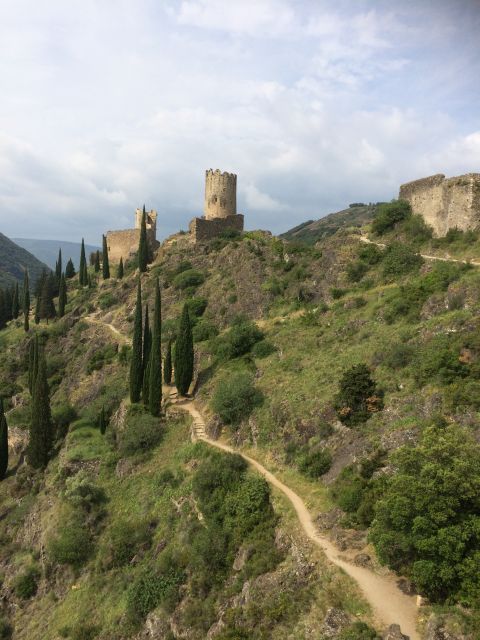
<point x="62" y="296"/>
<point x="31" y="363"/>
<point x="96" y="263"/>
<point x="3" y="442"/>
<point x="37" y="311"/>
<point x="120" y="269"/>
<point x="102" y="421"/>
<point x="146" y="382"/>
<point x="46" y="307"/>
<point x="167" y="367"/>
<point x="59" y="266"/>
<point x="41" y="430"/>
<point x="26" y="302"/>
<point x="136" y="368"/>
<point x="3" y="313"/>
<point x="8" y="293"/>
<point x="16" y="302"/>
<point x="184" y="354"/>
<point x="82" y="273"/>
<point x="155" y="373"/>
<point x="106" y="265"/>
<point x="143" y="246"/>
<point x="69" y="270"/>
<point x="147" y="344"/>
<point x="36" y="357"/>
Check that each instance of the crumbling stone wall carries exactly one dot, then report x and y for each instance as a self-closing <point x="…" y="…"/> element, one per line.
<point x="202" y="229"/>
<point x="445" y="203"/>
<point x="124" y="244"/>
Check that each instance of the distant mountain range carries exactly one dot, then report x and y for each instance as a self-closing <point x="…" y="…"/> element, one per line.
<point x="13" y="262"/>
<point x="47" y="250"/>
<point x="310" y="232"/>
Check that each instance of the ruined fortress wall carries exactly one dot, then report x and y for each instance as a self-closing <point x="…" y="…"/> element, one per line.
<point x="202" y="229"/>
<point x="220" y="194"/>
<point x="122" y="244"/>
<point x="445" y="203"/>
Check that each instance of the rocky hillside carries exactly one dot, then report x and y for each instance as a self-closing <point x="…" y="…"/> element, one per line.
<point x="13" y="262"/>
<point x="310" y="232"/>
<point x="139" y="533"/>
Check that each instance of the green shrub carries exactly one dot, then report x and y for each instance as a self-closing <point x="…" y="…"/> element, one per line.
<point x="72" y="544"/>
<point x="417" y="229"/>
<point x="196" y="307"/>
<point x="235" y="397"/>
<point x="389" y="214"/>
<point x="101" y="357"/>
<point x="399" y="355"/>
<point x="315" y="463"/>
<point x="84" y="631"/>
<point x="25" y="585"/>
<point x="123" y="541"/>
<point x="438" y="360"/>
<point x="82" y="493"/>
<point x="63" y="415"/>
<point x="204" y="330"/>
<point x="400" y="259"/>
<point x="188" y="280"/>
<point x="263" y="349"/>
<point x="370" y="254"/>
<point x="6" y="630"/>
<point x="337" y="293"/>
<point x="155" y="587"/>
<point x="107" y="300"/>
<point x="141" y="434"/>
<point x="359" y="631"/>
<point x="427" y="521"/>
<point x="358" y="396"/>
<point x="356" y="270"/>
<point x="238" y="340"/>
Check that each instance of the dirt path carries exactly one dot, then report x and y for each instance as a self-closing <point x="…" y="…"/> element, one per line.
<point x="424" y="255"/>
<point x="389" y="604"/>
<point x="94" y="320"/>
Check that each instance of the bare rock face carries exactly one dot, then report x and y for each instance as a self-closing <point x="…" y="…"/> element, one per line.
<point x="362" y="560"/>
<point x="156" y="627"/>
<point x="436" y="631"/>
<point x="334" y="623"/>
<point x="241" y="558"/>
<point x="394" y="633"/>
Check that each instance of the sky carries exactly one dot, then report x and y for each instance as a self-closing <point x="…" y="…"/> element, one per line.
<point x="109" y="104"/>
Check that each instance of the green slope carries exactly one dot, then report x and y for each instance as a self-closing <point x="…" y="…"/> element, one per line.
<point x="13" y="262"/>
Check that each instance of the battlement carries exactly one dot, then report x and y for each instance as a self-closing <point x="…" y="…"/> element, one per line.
<point x="445" y="203"/>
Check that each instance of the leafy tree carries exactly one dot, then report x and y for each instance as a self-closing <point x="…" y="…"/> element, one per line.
<point x="62" y="296"/>
<point x="358" y="396"/>
<point x="105" y="264"/>
<point x="155" y="373"/>
<point x="235" y="397"/>
<point x="26" y="302"/>
<point x="428" y="522"/>
<point x="184" y="355"/>
<point x="96" y="262"/>
<point x="136" y="365"/>
<point x="16" y="302"/>
<point x="389" y="214"/>
<point x="82" y="273"/>
<point x="143" y="244"/>
<point x="3" y="442"/>
<point x="120" y="269"/>
<point x="167" y="367"/>
<point x="41" y="429"/>
<point x="69" y="270"/>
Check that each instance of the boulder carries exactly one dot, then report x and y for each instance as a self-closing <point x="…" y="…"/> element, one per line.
<point x="334" y="623"/>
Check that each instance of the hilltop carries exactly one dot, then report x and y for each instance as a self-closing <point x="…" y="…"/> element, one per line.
<point x="13" y="262"/>
<point x="310" y="232"/>
<point x="280" y="323"/>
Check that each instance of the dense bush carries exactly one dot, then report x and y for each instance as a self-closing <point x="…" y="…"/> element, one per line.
<point x="141" y="434"/>
<point x="196" y="307"/>
<point x="102" y="356"/>
<point x="370" y="254"/>
<point x="107" y="300"/>
<point x="428" y="522"/>
<point x="6" y="630"/>
<point x="399" y="355"/>
<point x="356" y="270"/>
<point x="359" y="631"/>
<point x="263" y="349"/>
<point x="72" y="544"/>
<point x="191" y="278"/>
<point x="315" y="463"/>
<point x="235" y="397"/>
<point x="400" y="259"/>
<point x="123" y="540"/>
<point x="204" y="330"/>
<point x="25" y="585"/>
<point x="358" y="396"/>
<point x="417" y="229"/>
<point x="389" y="214"/>
<point x="238" y="340"/>
<point x="63" y="415"/>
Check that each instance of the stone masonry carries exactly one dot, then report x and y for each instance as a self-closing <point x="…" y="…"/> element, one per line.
<point x="445" y="203"/>
<point x="124" y="244"/>
<point x="220" y="207"/>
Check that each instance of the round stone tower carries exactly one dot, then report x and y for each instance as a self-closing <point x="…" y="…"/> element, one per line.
<point x="220" y="194"/>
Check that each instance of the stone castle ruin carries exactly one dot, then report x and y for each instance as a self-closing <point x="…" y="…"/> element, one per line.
<point x="445" y="203"/>
<point x="220" y="207"/>
<point x="124" y="244"/>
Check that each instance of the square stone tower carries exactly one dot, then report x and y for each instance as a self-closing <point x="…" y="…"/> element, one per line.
<point x="220" y="207"/>
<point x="124" y="244"/>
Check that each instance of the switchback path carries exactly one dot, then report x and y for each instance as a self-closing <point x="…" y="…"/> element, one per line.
<point x="366" y="240"/>
<point x="390" y="605"/>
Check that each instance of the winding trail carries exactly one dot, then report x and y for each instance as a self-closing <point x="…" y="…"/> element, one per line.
<point x="389" y="604"/>
<point x="366" y="240"/>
